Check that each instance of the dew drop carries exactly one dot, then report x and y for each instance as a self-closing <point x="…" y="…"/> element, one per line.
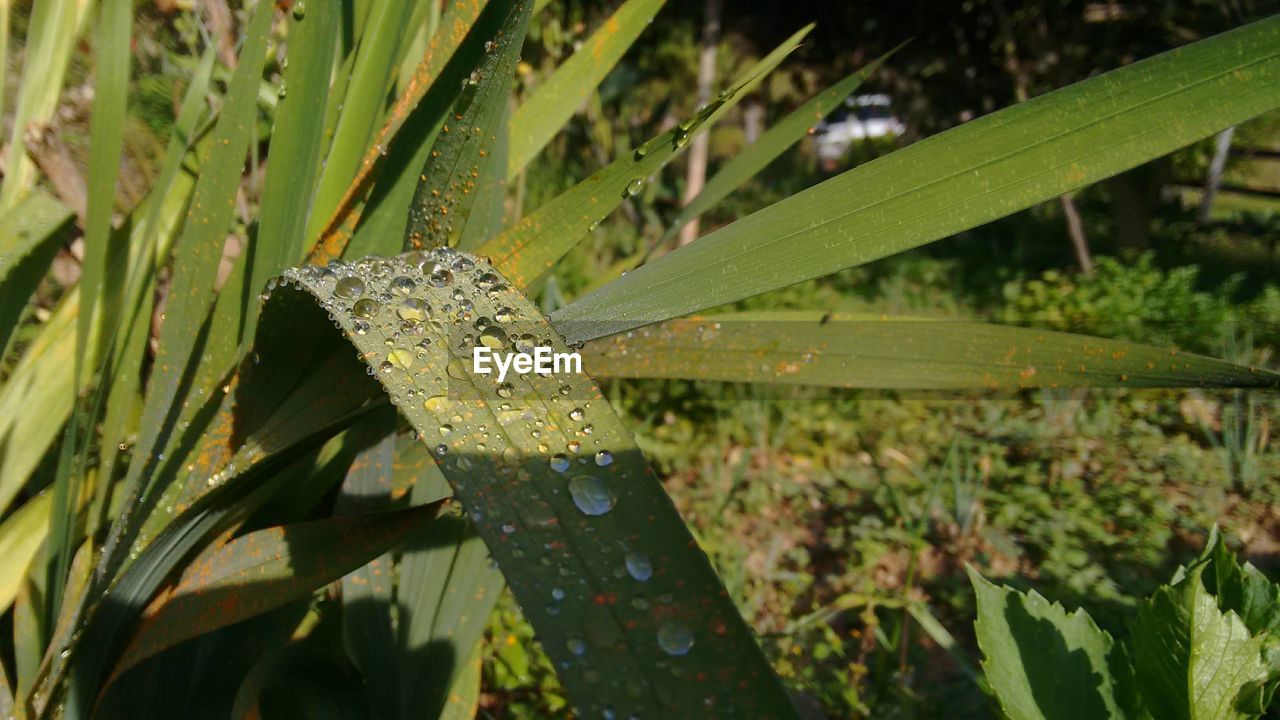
<point x="413" y="309"/>
<point x="299" y="10"/>
<point x="504" y="315"/>
<point x="365" y="308"/>
<point x="439" y="278"/>
<point x="360" y="327"/>
<point x="675" y="638"/>
<point x="505" y="390"/>
<point x="604" y="458"/>
<point x="560" y="462"/>
<point x="590" y="495"/>
<point x="642" y="151"/>
<point x="494" y="338"/>
<point x="576" y="414"/>
<point x="638" y="566"/>
<point x="445" y="429"/>
<point x="438" y="404"/>
<point x="442" y="450"/>
<point x="400" y="358"/>
<point x="349" y="287"/>
<point x="402" y="285"/>
<point x="634" y="187"/>
<point x="557" y="594"/>
<point x="576" y="646"/>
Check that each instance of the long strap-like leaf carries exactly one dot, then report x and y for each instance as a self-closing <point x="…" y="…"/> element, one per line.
<point x="956" y="180"/>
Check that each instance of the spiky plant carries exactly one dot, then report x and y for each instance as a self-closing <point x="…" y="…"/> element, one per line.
<point x="163" y="562"/>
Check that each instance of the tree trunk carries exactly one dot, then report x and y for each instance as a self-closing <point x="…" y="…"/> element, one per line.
<point x="696" y="176"/>
<point x="1214" y="180"/>
<point x="1076" y="229"/>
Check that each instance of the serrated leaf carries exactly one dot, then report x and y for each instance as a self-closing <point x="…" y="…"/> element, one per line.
<point x="1044" y="663"/>
<point x="546" y="470"/>
<point x="1192" y="660"/>
<point x="526" y="250"/>
<point x="554" y="101"/>
<point x="263" y="570"/>
<point x="1241" y="588"/>
<point x="958" y="179"/>
<point x="877" y="351"/>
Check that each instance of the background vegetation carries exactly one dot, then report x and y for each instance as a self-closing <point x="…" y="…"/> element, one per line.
<point x="842" y="521"/>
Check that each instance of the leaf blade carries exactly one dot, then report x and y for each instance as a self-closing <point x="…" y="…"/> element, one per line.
<point x="955" y="180"/>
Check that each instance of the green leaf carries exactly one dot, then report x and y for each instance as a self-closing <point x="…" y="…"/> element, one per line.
<point x="967" y="176"/>
<point x="455" y="27"/>
<point x="21" y="535"/>
<point x="198" y="252"/>
<point x="877" y="351"/>
<point x="106" y="143"/>
<point x="787" y="132"/>
<point x="376" y="61"/>
<point x="28" y="242"/>
<point x="52" y="31"/>
<point x="1242" y="589"/>
<point x="468" y="30"/>
<point x="297" y="141"/>
<point x="263" y="570"/>
<point x="623" y="588"/>
<point x="1192" y="660"/>
<point x="555" y="100"/>
<point x="526" y="250"/>
<point x="489" y="212"/>
<point x="1043" y="663"/>
<point x="447" y="188"/>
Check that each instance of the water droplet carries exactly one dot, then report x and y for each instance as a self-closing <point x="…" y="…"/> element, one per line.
<point x="438" y="404"/>
<point x="508" y="528"/>
<point x="414" y="310"/>
<point x="445" y="429"/>
<point x="493" y="337"/>
<point x="439" y="278"/>
<point x="505" y="390"/>
<point x="557" y="594"/>
<point x="284" y="90"/>
<point x="442" y="450"/>
<point x="642" y="151"/>
<point x="402" y="285"/>
<point x="633" y="188"/>
<point x="400" y="358"/>
<point x="675" y="638"/>
<point x="603" y="458"/>
<point x="504" y="315"/>
<point x="590" y="495"/>
<point x="365" y="308"/>
<point x="360" y="327"/>
<point x="638" y="566"/>
<point x="576" y="646"/>
<point x="559" y="462"/>
<point x="299" y="10"/>
<point x="576" y="414"/>
<point x="349" y="287"/>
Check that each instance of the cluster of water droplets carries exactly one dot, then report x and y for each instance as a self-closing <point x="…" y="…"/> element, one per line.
<point x="416" y="319"/>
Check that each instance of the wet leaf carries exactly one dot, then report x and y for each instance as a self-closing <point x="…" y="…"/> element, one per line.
<point x="628" y="608"/>
<point x="263" y="570"/>
<point x="958" y="179"/>
<point x="904" y="353"/>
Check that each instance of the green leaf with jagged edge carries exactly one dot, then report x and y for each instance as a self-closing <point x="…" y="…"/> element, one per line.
<point x="958" y="179"/>
<point x="627" y="607"/>
<point x="555" y="100"/>
<point x="27" y="245"/>
<point x="1241" y="588"/>
<point x="775" y="141"/>
<point x="448" y="185"/>
<point x="899" y="353"/>
<point x="527" y="249"/>
<point x="1044" y="663"/>
<point x="1191" y="659"/>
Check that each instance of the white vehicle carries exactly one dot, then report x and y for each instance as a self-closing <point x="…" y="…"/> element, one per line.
<point x="861" y="117"/>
